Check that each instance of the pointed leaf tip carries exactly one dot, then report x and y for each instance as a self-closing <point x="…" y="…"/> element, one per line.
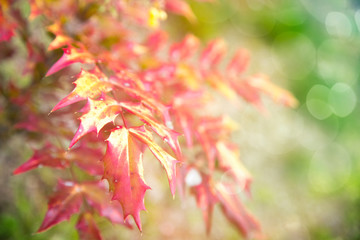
<point x="124" y="172"/>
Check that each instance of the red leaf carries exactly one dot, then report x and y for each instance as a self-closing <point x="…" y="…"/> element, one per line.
<point x="87" y="227"/>
<point x="124" y="172"/>
<point x="100" y="112"/>
<point x="212" y="54"/>
<point x="218" y="82"/>
<point x="248" y="92"/>
<point x="164" y="132"/>
<point x="49" y="156"/>
<point x="87" y="158"/>
<point x="7" y="28"/>
<point x="145" y="98"/>
<point x="98" y="197"/>
<point x="84" y="157"/>
<point x="166" y="160"/>
<point x="180" y="7"/>
<point x="280" y="95"/>
<point x="156" y="40"/>
<point x="66" y="202"/>
<point x="209" y="131"/>
<point x="183" y="50"/>
<point x="87" y="85"/>
<point x="163" y="74"/>
<point x="236" y="212"/>
<point x="238" y="63"/>
<point x="71" y="55"/>
<point x="69" y="197"/>
<point x="229" y="161"/>
<point x="205" y="199"/>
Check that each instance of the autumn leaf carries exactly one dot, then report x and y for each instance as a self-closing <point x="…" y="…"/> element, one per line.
<point x="279" y="95"/>
<point x="70" y="196"/>
<point x="183" y="50"/>
<point x="217" y="82"/>
<point x="163" y="73"/>
<point x="144" y="97"/>
<point x="166" y="160"/>
<point x="87" y="158"/>
<point x="71" y="55"/>
<point x="205" y="199"/>
<point x="97" y="196"/>
<point x="87" y="85"/>
<point x="188" y="76"/>
<point x="156" y="40"/>
<point x="7" y="27"/>
<point x="59" y="41"/>
<point x="167" y="134"/>
<point x="236" y="213"/>
<point x="63" y="204"/>
<point x="248" y="93"/>
<point x="212" y="54"/>
<point x="182" y="104"/>
<point x="49" y="156"/>
<point x="124" y="172"/>
<point x="230" y="162"/>
<point x="87" y="227"/>
<point x="180" y="7"/>
<point x="100" y="112"/>
<point x="238" y="63"/>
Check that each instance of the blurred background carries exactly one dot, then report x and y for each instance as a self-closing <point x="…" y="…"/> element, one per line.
<point x="304" y="161"/>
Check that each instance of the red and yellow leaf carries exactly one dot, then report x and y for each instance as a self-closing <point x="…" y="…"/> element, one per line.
<point x="168" y="135"/>
<point x="84" y="157"/>
<point x="100" y="112"/>
<point x="212" y="54"/>
<point x="205" y="199"/>
<point x="97" y="196"/>
<point x="280" y="95"/>
<point x="238" y="63"/>
<point x="63" y="204"/>
<point x="236" y="213"/>
<point x="185" y="49"/>
<point x="166" y="160"/>
<point x="230" y="162"/>
<point x="49" y="156"/>
<point x="59" y="41"/>
<point x="71" y="55"/>
<point x="87" y="227"/>
<point x="180" y="7"/>
<point x="124" y="172"/>
<point x="87" y="85"/>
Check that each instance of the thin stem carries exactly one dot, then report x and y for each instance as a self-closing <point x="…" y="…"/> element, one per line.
<point x="123" y="118"/>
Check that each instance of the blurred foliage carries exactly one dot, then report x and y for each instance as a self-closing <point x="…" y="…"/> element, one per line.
<point x="311" y="47"/>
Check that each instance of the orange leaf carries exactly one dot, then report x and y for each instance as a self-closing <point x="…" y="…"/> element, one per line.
<point x="59" y="41"/>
